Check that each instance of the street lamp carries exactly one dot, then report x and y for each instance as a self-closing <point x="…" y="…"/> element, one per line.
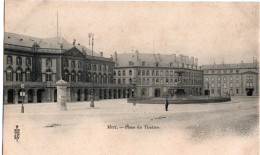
<point x="208" y="90"/>
<point x="91" y="37"/>
<point x="22" y="93"/>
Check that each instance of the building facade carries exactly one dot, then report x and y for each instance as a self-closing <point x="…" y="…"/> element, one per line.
<point x="231" y="79"/>
<point x="154" y="74"/>
<point x="40" y="63"/>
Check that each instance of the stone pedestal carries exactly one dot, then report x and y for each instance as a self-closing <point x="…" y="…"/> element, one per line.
<point x="62" y="94"/>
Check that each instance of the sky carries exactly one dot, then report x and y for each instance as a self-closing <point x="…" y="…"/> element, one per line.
<point x="210" y="31"/>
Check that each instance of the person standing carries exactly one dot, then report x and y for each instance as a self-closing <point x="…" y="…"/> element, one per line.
<point x="166" y="104"/>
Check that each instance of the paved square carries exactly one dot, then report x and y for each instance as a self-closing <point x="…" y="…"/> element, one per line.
<point x="118" y="127"/>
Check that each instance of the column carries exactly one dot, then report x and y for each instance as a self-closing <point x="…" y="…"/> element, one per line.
<point x="107" y="93"/>
<point x="26" y="96"/>
<point x="112" y="93"/>
<point x="5" y="96"/>
<point x="35" y="96"/>
<point x="82" y="94"/>
<point x="16" y="96"/>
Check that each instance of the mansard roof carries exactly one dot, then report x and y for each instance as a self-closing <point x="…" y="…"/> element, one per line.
<point x="231" y="66"/>
<point x="150" y="60"/>
<point x="54" y="43"/>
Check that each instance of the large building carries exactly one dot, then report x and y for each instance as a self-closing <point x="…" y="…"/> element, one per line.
<point x="39" y="63"/>
<point x="155" y="74"/>
<point x="231" y="79"/>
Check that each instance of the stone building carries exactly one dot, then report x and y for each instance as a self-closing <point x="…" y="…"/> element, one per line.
<point x="39" y="63"/>
<point x="231" y="79"/>
<point x="156" y="74"/>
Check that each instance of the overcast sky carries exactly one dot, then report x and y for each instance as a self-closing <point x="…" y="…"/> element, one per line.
<point x="209" y="31"/>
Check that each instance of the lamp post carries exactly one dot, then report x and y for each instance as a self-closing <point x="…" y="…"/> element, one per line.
<point x="208" y="90"/>
<point x="91" y="37"/>
<point x="22" y="93"/>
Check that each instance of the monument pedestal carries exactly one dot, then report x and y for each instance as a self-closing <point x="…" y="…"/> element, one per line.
<point x="62" y="94"/>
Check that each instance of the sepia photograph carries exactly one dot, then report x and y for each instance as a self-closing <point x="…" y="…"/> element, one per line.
<point x="130" y="78"/>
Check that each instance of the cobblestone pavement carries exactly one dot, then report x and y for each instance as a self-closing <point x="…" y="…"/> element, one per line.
<point x="118" y="127"/>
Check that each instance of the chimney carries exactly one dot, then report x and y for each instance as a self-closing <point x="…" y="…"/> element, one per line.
<point x="101" y="54"/>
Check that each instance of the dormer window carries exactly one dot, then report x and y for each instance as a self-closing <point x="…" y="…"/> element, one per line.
<point x="157" y="64"/>
<point x="171" y="64"/>
<point x="131" y="63"/>
<point x="143" y="63"/>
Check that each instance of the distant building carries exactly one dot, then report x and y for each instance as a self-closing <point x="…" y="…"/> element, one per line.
<point x="231" y="79"/>
<point x="40" y="63"/>
<point x="157" y="74"/>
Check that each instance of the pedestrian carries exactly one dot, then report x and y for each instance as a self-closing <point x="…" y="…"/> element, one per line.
<point x="166" y="104"/>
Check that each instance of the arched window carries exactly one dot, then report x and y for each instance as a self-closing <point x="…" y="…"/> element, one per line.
<point x="157" y="64"/>
<point x="19" y="75"/>
<point x="48" y="62"/>
<point x="100" y="68"/>
<point x="27" y="74"/>
<point x="147" y="81"/>
<point x="9" y="60"/>
<point x="130" y="81"/>
<point x="143" y="72"/>
<point x="66" y="75"/>
<point x="105" y="68"/>
<point x="157" y="73"/>
<point x="130" y="72"/>
<point x="99" y="78"/>
<point x="157" y="81"/>
<point x="18" y="61"/>
<point x="73" y="64"/>
<point x="48" y="76"/>
<point x="9" y="74"/>
<point x="89" y="77"/>
<point x="79" y="64"/>
<point x="95" y="68"/>
<point x="123" y="72"/>
<point x="105" y="79"/>
<point x="119" y="73"/>
<point x="147" y="73"/>
<point x="79" y="76"/>
<point x="167" y="81"/>
<point x="28" y="61"/>
<point x="73" y="76"/>
<point x="66" y="63"/>
<point x="88" y="66"/>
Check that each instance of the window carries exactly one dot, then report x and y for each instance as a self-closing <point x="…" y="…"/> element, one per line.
<point x="231" y="78"/>
<point x="100" y="68"/>
<point x="115" y="73"/>
<point x="66" y="63"/>
<point x="225" y="85"/>
<point x="123" y="72"/>
<point x="131" y="63"/>
<point x="143" y="63"/>
<point x="231" y="84"/>
<point x="18" y="61"/>
<point x="171" y="73"/>
<point x="48" y="62"/>
<point x="218" y="85"/>
<point x="66" y="75"/>
<point x="119" y="81"/>
<point x="237" y="71"/>
<point x="123" y="81"/>
<point x="157" y="64"/>
<point x="171" y="81"/>
<point x="152" y="72"/>
<point x="19" y="76"/>
<point x="237" y="91"/>
<point x="237" y="84"/>
<point x="143" y="81"/>
<point x="105" y="68"/>
<point x="79" y="64"/>
<point x="157" y="81"/>
<point x="28" y="61"/>
<point x="157" y="73"/>
<point x="207" y="79"/>
<point x="9" y="60"/>
<point x="167" y="73"/>
<point x="73" y="75"/>
<point x="218" y="78"/>
<point x="147" y="73"/>
<point x="119" y="73"/>
<point x="95" y="67"/>
<point x="9" y="74"/>
<point x="167" y="81"/>
<point x="231" y="71"/>
<point x="147" y="81"/>
<point x="130" y="81"/>
<point x="212" y="91"/>
<point x="105" y="79"/>
<point x="79" y="76"/>
<point x="28" y="75"/>
<point x="212" y="79"/>
<point x="139" y="72"/>
<point x="212" y="85"/>
<point x="72" y="64"/>
<point x="225" y="78"/>
<point x="212" y="71"/>
<point x="48" y="75"/>
<point x="237" y="77"/>
<point x="130" y="72"/>
<point x="153" y="81"/>
<point x="143" y="72"/>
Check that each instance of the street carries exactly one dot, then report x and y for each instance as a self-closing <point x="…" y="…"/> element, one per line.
<point x="118" y="127"/>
